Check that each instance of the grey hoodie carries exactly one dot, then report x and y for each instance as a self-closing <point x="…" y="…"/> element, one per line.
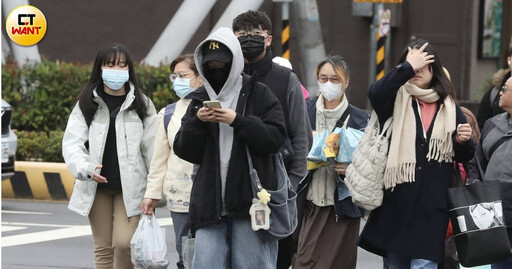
<point x="228" y="95"/>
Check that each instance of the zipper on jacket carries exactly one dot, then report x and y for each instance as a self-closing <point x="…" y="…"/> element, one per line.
<point x="124" y="106"/>
<point x="105" y="131"/>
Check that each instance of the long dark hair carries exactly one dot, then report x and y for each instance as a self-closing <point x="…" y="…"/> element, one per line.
<point x="440" y="83"/>
<point x="110" y="53"/>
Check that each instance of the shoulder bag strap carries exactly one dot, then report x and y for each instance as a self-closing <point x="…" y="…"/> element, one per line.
<point x="498" y="143"/>
<point x="480" y="170"/>
<point x="458" y="178"/>
<point x="344" y="116"/>
<point x="253" y="174"/>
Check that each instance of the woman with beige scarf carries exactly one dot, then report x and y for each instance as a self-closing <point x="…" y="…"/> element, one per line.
<point x="429" y="131"/>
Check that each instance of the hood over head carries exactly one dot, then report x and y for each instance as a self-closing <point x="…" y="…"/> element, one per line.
<point x="227" y="43"/>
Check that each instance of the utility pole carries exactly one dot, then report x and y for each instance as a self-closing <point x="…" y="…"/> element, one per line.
<point x="285" y="29"/>
<point x="22" y="55"/>
<point x="179" y="31"/>
<point x="309" y="39"/>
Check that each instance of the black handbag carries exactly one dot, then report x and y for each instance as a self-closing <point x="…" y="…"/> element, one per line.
<point x="478" y="224"/>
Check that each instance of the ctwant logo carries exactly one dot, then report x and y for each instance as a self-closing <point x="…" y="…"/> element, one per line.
<point x="26" y="25"/>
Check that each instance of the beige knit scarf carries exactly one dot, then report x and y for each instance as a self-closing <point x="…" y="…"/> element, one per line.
<point x="401" y="164"/>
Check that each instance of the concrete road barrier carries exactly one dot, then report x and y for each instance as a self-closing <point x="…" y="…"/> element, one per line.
<point x="39" y="180"/>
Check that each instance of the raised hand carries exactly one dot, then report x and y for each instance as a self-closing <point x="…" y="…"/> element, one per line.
<point x="418" y="58"/>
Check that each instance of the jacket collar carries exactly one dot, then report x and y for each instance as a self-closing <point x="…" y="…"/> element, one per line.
<point x="199" y="94"/>
<point x="260" y="67"/>
<point x="130" y="96"/>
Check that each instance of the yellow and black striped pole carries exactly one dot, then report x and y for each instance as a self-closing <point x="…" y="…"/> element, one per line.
<point x="381" y="49"/>
<point x="285" y="32"/>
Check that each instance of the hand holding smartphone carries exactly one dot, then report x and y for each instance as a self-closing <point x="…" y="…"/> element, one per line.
<point x="212" y="104"/>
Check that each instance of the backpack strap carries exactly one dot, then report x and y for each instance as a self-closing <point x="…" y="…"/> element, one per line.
<point x="492" y="97"/>
<point x="169" y="111"/>
<point x="498" y="143"/>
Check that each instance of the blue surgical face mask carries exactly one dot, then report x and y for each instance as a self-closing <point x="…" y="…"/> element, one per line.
<point x="182" y="87"/>
<point x="115" y="79"/>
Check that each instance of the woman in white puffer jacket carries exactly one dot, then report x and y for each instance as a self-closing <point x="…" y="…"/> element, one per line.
<point x="107" y="146"/>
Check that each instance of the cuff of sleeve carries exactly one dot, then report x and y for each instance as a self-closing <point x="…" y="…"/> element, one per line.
<point x="237" y="121"/>
<point x="90" y="171"/>
<point x="197" y="122"/>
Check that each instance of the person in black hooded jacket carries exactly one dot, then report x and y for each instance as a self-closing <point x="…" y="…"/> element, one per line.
<point x="216" y="139"/>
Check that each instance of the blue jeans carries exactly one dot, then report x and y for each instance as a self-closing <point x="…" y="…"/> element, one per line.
<point x="508" y="263"/>
<point x="396" y="261"/>
<point x="181" y="227"/>
<point x="232" y="244"/>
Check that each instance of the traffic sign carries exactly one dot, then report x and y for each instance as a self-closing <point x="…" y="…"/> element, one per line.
<point x="384" y="20"/>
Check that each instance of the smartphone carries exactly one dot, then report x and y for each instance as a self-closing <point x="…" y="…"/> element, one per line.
<point x="212" y="104"/>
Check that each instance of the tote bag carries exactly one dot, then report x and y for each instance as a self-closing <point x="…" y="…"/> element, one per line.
<point x="479" y="228"/>
<point x="365" y="175"/>
<point x="283" y="201"/>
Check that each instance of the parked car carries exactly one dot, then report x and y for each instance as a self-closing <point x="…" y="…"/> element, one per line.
<point x="9" y="142"/>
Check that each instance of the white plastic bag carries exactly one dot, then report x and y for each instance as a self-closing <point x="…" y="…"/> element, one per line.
<point x="188" y="245"/>
<point x="148" y="247"/>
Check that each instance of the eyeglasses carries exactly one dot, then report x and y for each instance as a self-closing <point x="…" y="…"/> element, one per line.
<point x="255" y="31"/>
<point x="324" y="79"/>
<point x="174" y="76"/>
<point x="504" y="89"/>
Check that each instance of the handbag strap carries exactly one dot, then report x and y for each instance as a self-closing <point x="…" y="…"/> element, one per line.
<point x="480" y="170"/>
<point x="255" y="180"/>
<point x="341" y="121"/>
<point x="386" y="130"/>
<point x="458" y="178"/>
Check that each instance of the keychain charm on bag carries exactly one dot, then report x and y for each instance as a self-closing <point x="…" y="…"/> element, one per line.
<point x="260" y="215"/>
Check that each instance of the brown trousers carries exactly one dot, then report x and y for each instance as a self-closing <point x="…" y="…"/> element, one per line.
<point x="325" y="242"/>
<point x="112" y="230"/>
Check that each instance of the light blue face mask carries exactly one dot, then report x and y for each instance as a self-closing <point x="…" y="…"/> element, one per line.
<point x="182" y="87"/>
<point x="115" y="79"/>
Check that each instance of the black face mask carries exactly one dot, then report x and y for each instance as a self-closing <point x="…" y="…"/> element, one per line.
<point x="217" y="77"/>
<point x="252" y="46"/>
